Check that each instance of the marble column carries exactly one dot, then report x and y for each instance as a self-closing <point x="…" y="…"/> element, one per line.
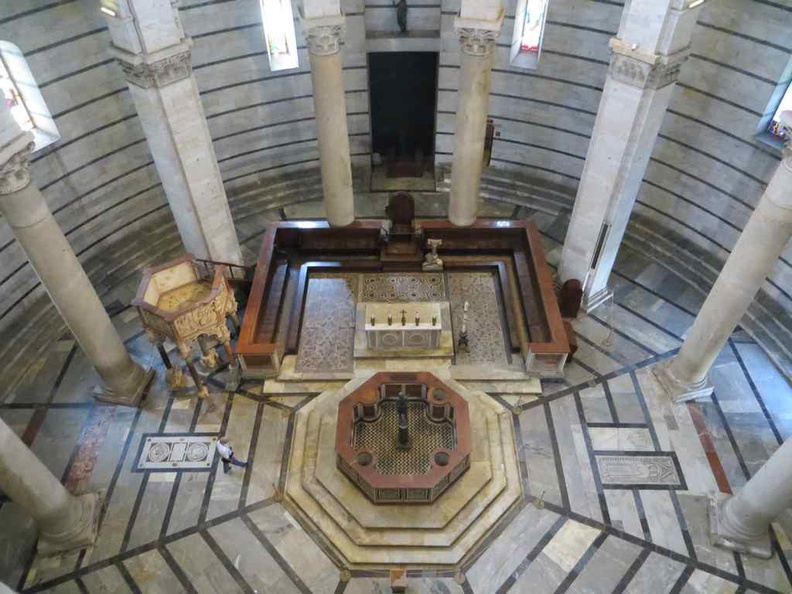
<point x="741" y="522"/>
<point x="64" y="521"/>
<point x="477" y="36"/>
<point x="154" y="53"/>
<point x="51" y="256"/>
<point x="760" y="244"/>
<point x="323" y="35"/>
<point x="652" y="44"/>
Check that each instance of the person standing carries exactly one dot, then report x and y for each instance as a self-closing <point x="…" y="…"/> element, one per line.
<point x="227" y="455"/>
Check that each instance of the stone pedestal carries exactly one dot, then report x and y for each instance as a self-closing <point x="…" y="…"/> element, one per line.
<point x="154" y="53"/>
<point x="65" y="522"/>
<point x="51" y="256"/>
<point x="741" y="523"/>
<point x="652" y="43"/>
<point x="323" y="36"/>
<point x="760" y="244"/>
<point x="478" y="42"/>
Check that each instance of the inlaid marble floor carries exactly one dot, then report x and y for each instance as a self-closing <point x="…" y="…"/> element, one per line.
<point x="616" y="476"/>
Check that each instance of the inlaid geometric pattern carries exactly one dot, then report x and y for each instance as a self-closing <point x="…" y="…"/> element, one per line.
<point x="484" y="325"/>
<point x="426" y="437"/>
<point x="403" y="287"/>
<point x="328" y="327"/>
<point x="176" y="452"/>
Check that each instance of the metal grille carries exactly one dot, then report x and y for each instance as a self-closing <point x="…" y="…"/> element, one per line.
<point x="379" y="438"/>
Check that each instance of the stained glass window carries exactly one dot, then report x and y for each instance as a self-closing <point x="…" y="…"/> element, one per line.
<point x="23" y="97"/>
<point x="529" y="24"/>
<point x="774" y="126"/>
<point x="533" y="21"/>
<point x="278" y="21"/>
<point x="13" y="99"/>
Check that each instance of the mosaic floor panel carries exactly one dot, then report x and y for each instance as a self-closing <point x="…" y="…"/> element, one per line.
<point x="400" y="288"/>
<point x="484" y="325"/>
<point x="176" y="452"/>
<point x="327" y="338"/>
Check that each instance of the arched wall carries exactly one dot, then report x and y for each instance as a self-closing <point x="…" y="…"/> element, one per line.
<point x="705" y="175"/>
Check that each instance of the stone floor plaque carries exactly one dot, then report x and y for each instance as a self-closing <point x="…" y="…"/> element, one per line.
<point x="176" y="451"/>
<point x="639" y="469"/>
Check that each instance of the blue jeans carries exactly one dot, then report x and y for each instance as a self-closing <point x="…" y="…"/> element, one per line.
<point x="227" y="463"/>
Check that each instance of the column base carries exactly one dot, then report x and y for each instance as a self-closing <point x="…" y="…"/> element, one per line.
<point x="462" y="222"/>
<point x="678" y="390"/>
<point x="592" y="302"/>
<point x="132" y="394"/>
<point x="84" y="534"/>
<point x="720" y="536"/>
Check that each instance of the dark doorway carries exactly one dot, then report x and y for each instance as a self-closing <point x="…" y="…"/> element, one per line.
<point x="403" y="90"/>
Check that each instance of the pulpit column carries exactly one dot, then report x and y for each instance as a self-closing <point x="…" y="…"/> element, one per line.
<point x="324" y="35"/>
<point x="154" y="53"/>
<point x="65" y="521"/>
<point x="757" y="249"/>
<point x="478" y="43"/>
<point x="652" y="44"/>
<point x="51" y="256"/>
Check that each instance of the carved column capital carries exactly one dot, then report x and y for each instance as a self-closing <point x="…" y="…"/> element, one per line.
<point x="478" y="36"/>
<point x="477" y="42"/>
<point x="324" y="35"/>
<point x="644" y="70"/>
<point x="15" y="172"/>
<point x="142" y="71"/>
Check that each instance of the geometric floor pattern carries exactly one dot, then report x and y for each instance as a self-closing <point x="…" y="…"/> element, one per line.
<point x="584" y="526"/>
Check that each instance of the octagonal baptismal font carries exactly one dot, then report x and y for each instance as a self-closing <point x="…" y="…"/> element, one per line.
<point x="402" y="468"/>
<point x="403" y="441"/>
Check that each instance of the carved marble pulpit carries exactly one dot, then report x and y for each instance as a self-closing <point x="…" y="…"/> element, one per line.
<point x="176" y="302"/>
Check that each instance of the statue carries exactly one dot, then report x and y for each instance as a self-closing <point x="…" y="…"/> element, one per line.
<point x="403" y="440"/>
<point x="432" y="261"/>
<point x="401" y="15"/>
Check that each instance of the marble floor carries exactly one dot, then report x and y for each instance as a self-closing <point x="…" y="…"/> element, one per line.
<point x="616" y="477"/>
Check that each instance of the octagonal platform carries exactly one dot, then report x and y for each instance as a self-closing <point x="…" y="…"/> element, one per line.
<point x="366" y="534"/>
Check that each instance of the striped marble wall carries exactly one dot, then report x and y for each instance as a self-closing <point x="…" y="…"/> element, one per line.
<point x="706" y="173"/>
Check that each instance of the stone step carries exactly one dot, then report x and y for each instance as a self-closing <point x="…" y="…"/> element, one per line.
<point x="514" y="387"/>
<point x="440" y="523"/>
<point x="415" y="553"/>
<point x="288" y="386"/>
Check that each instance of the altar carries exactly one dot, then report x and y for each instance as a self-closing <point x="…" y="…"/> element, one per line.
<point x="404" y="326"/>
<point x="426" y="331"/>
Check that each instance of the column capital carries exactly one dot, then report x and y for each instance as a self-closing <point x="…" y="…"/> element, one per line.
<point x="645" y="70"/>
<point x="324" y="35"/>
<point x="478" y="36"/>
<point x="158" y="69"/>
<point x="15" y="168"/>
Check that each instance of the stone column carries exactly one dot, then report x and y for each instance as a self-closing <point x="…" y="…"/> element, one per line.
<point x="741" y="522"/>
<point x="51" y="256"/>
<point x="652" y="43"/>
<point x="154" y="53"/>
<point x="64" y="521"/>
<point x="477" y="37"/>
<point x="323" y="35"/>
<point x="753" y="257"/>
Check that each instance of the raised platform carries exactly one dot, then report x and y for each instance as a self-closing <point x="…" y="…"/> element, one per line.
<point x="294" y="253"/>
<point x="366" y="534"/>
